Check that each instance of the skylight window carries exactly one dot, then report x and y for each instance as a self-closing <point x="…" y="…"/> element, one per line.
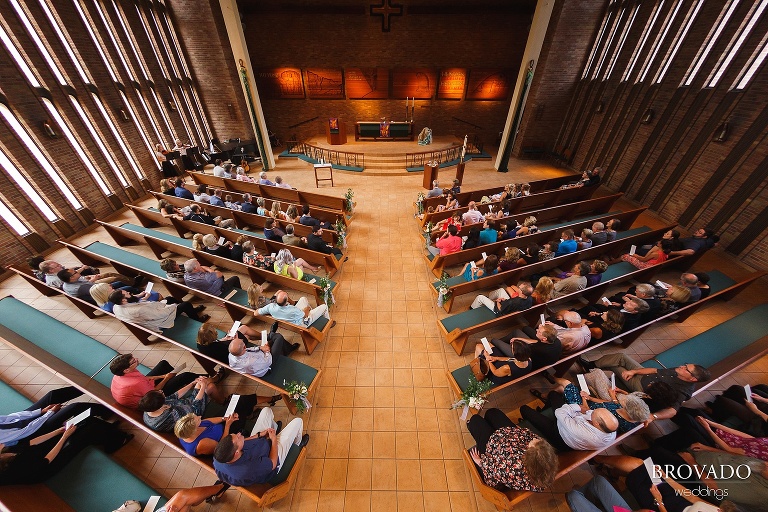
<point x="643" y="39"/>
<point x="717" y="29"/>
<point x="660" y="40"/>
<point x="622" y="40"/>
<point x="679" y="39"/>
<point x="17" y="58"/>
<point x="26" y="187"/>
<point x="12" y="220"/>
<point x="735" y="46"/>
<point x="32" y="33"/>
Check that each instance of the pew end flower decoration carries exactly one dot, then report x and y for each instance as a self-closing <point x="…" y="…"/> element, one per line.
<point x="474" y="396"/>
<point x="443" y="291"/>
<point x="297" y="392"/>
<point x="350" y="205"/>
<point x="325" y="284"/>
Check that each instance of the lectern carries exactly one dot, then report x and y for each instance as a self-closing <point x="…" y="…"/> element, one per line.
<point x="430" y="175"/>
<point x="335" y="132"/>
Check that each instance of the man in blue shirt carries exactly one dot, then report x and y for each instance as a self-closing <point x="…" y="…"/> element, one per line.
<point x="181" y="191"/>
<point x="245" y="461"/>
<point x="568" y="244"/>
<point x="488" y="235"/>
<point x="298" y="313"/>
<point x="216" y="200"/>
<point x="263" y="180"/>
<point x="206" y="280"/>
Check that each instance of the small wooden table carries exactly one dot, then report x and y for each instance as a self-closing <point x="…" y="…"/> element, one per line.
<point x="318" y="179"/>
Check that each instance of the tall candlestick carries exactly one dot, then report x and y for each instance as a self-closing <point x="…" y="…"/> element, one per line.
<point x="406" y="102"/>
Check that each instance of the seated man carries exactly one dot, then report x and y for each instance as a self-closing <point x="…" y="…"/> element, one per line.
<point x="574" y="336"/>
<point x="245" y="461"/>
<point x="173" y="271"/>
<point x="500" y="303"/>
<point x="472" y="216"/>
<point x="298" y="314"/>
<point x="162" y="412"/>
<point x="154" y="316"/>
<point x="644" y="291"/>
<point x="307" y="220"/>
<point x="599" y="236"/>
<point x="448" y="243"/>
<point x="50" y="270"/>
<point x="129" y="385"/>
<point x="206" y="280"/>
<point x="218" y="168"/>
<point x="197" y="214"/>
<point x="316" y="243"/>
<point x="181" y="191"/>
<point x="290" y="238"/>
<point x="702" y="240"/>
<point x="257" y="361"/>
<point x="577" y="281"/>
<point x="247" y="206"/>
<point x="263" y="180"/>
<point x="546" y="348"/>
<point x="436" y="190"/>
<point x="575" y="426"/>
<point x="215" y="199"/>
<point x="567" y="244"/>
<point x="631" y="308"/>
<point x="272" y="231"/>
<point x="682" y="379"/>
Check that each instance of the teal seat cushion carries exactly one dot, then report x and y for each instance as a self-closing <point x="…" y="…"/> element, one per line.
<point x="11" y="400"/>
<point x="718" y="281"/>
<point x="60" y="340"/>
<point x="708" y="348"/>
<point x="462" y="376"/>
<point x="451" y="281"/>
<point x="309" y="277"/>
<point x="288" y="463"/>
<point x="94" y="482"/>
<point x="257" y="234"/>
<point x="558" y="225"/>
<point x="617" y="270"/>
<point x="320" y="323"/>
<point x="286" y="369"/>
<point x="160" y="235"/>
<point x="184" y="331"/>
<point x="146" y="265"/>
<point x="630" y="232"/>
<point x="467" y="319"/>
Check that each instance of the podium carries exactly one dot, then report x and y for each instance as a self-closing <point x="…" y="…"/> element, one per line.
<point x="430" y="175"/>
<point x="335" y="132"/>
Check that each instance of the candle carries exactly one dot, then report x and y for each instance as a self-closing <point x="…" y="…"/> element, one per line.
<point x="406" y="102"/>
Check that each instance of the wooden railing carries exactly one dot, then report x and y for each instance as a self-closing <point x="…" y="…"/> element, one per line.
<point x="333" y="156"/>
<point x="439" y="156"/>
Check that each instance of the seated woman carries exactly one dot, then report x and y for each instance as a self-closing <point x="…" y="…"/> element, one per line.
<point x="162" y="412"/>
<point x="452" y="221"/>
<point x="37" y="459"/>
<point x="628" y="408"/>
<point x="201" y="194"/>
<point x="199" y="436"/>
<point x="512" y="259"/>
<point x="292" y="214"/>
<point x="703" y="283"/>
<point x="548" y="251"/>
<point x="584" y="241"/>
<point x="509" y="456"/>
<point x="531" y="254"/>
<point x="473" y="238"/>
<point x="168" y="187"/>
<point x="212" y="246"/>
<point x="209" y="344"/>
<point x="607" y="324"/>
<point x="528" y="227"/>
<point x="450" y="203"/>
<point x="276" y="211"/>
<point x="674" y="298"/>
<point x="241" y="176"/>
<point x="255" y="259"/>
<point x="154" y="316"/>
<point x="260" y="210"/>
<point x="504" y="194"/>
<point x="490" y="267"/>
<point x="596" y="270"/>
<point x="237" y="248"/>
<point x="287" y="265"/>
<point x="526" y="189"/>
<point x="659" y="253"/>
<point x="543" y="291"/>
<point x="101" y="292"/>
<point x="507" y="361"/>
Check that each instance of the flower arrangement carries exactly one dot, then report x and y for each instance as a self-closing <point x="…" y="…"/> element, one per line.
<point x="474" y="397"/>
<point x="349" y="204"/>
<point x="420" y="204"/>
<point x="443" y="292"/>
<point x="428" y="234"/>
<point x="341" y="229"/>
<point x="325" y="284"/>
<point x="298" y="393"/>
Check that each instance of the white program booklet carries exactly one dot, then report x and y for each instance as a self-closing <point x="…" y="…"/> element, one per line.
<point x="264" y="338"/>
<point x="232" y="405"/>
<point x="606" y="301"/>
<point x="312" y="281"/>
<point x="151" y="504"/>
<point x="661" y="285"/>
<point x="542" y="319"/>
<point x="632" y="250"/>
<point x="230" y="294"/>
<point x="654" y="475"/>
<point x="472" y="264"/>
<point x="486" y="345"/>
<point x="748" y="391"/>
<point x="233" y="330"/>
<point x="77" y="419"/>
<point x="179" y="368"/>
<point x="613" y="381"/>
<point x="148" y="289"/>
<point x="221" y="240"/>
<point x="485" y="255"/>
<point x="582" y="383"/>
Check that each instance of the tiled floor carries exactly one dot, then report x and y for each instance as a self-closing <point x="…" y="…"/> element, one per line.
<point x="383" y="437"/>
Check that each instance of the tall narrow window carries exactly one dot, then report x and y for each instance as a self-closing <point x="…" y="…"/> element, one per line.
<point x="608" y="43"/>
<point x="643" y="39"/>
<point x="98" y="43"/>
<point x="598" y="44"/>
<point x="12" y="220"/>
<point x="131" y="40"/>
<point x="139" y="127"/>
<point x="660" y="40"/>
<point x="55" y="23"/>
<point x="76" y="145"/>
<point x="690" y="18"/>
<point x="152" y="43"/>
<point x="118" y="138"/>
<point x="622" y="39"/>
<point x="42" y="160"/>
<point x="753" y="65"/>
<point x="118" y="47"/>
<point x="735" y="45"/>
<point x="18" y="59"/>
<point x="26" y="187"/>
<point x="712" y="37"/>
<point x="32" y="33"/>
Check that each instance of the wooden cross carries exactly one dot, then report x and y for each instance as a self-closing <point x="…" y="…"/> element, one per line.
<point x="385" y="10"/>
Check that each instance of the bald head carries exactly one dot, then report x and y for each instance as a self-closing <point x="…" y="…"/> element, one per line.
<point x="281" y="298"/>
<point x="572" y="317"/>
<point x="236" y="347"/>
<point x="604" y="420"/>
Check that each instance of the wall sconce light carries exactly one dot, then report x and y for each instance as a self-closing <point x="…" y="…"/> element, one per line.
<point x="647" y="116"/>
<point x="600" y="106"/>
<point x="171" y="105"/>
<point x="123" y="114"/>
<point x="49" y="129"/>
<point x="721" y="133"/>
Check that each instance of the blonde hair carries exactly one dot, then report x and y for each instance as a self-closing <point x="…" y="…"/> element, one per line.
<point x="254" y="292"/>
<point x="276" y="208"/>
<point x="512" y="254"/>
<point x="185" y="427"/>
<point x="100" y="293"/>
<point x="241" y="239"/>
<point x="679" y="294"/>
<point x="544" y="289"/>
<point x="197" y="242"/>
<point x="209" y="240"/>
<point x="292" y="212"/>
<point x="207" y="334"/>
<point x="529" y="221"/>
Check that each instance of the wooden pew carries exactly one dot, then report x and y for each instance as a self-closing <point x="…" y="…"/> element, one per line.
<point x="725" y="360"/>
<point x="242" y="220"/>
<point x="84" y="368"/>
<point x="439" y="262"/>
<point x="151" y="219"/>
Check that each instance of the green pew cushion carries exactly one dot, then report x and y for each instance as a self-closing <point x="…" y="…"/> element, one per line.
<point x="719" y="281"/>
<point x="708" y="348"/>
<point x="11" y="400"/>
<point x="60" y="340"/>
<point x="94" y="482"/>
<point x="184" y="331"/>
<point x="187" y="242"/>
<point x="630" y="232"/>
<point x="309" y="277"/>
<point x="146" y="265"/>
<point x="617" y="270"/>
<point x="451" y="281"/>
<point x="286" y="369"/>
<point x="558" y="225"/>
<point x="258" y="234"/>
<point x="285" y="469"/>
<point x="462" y="375"/>
<point x="467" y="319"/>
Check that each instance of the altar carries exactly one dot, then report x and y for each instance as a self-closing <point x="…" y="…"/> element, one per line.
<point x="375" y="130"/>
